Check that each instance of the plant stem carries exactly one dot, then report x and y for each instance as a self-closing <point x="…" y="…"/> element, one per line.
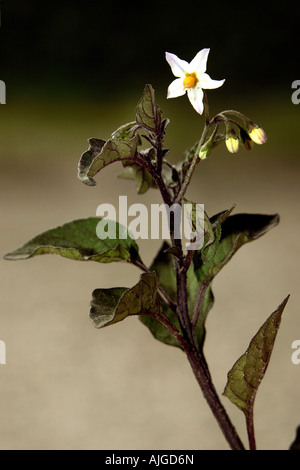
<point x="198" y="303"/>
<point x="198" y="363"/>
<point x="235" y="113"/>
<point x="147" y="164"/>
<point x="250" y="429"/>
<point x="212" y="398"/>
<point x="192" y="167"/>
<point x="164" y="320"/>
<point x="159" y="154"/>
<point x="182" y="308"/>
<point x="202" y="376"/>
<point x="188" y="259"/>
<point x="206" y="108"/>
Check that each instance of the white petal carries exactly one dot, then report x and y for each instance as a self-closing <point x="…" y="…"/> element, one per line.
<point x="177" y="65"/>
<point x="176" y="88"/>
<point x="198" y="63"/>
<point x="196" y="98"/>
<point x="206" y="82"/>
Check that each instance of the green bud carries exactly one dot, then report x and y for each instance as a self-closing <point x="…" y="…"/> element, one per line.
<point x="205" y="149"/>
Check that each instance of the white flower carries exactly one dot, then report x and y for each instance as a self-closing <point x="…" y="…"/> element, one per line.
<point x="191" y="78"/>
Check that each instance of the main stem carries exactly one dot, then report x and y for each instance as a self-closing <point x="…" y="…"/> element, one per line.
<point x="194" y="355"/>
<point x="199" y="365"/>
<point x="212" y="398"/>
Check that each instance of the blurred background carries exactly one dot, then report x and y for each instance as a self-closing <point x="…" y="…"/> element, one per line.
<point x="75" y="70"/>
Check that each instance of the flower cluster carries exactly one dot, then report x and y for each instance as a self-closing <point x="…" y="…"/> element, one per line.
<point x="248" y="134"/>
<point x="191" y="78"/>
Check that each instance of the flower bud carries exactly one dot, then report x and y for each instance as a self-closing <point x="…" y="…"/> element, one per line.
<point x="205" y="149"/>
<point x="257" y="134"/>
<point x="232" y="144"/>
<point x="232" y="141"/>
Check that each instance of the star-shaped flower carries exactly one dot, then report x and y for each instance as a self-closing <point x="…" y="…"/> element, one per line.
<point x="191" y="78"/>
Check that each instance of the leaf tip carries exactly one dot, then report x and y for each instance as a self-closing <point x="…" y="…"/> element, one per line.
<point x="284" y="302"/>
<point x="14" y="255"/>
<point x="88" y="181"/>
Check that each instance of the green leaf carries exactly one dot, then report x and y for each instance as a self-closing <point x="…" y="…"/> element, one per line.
<point x="78" y="240"/>
<point x="206" y="306"/>
<point x="230" y="233"/>
<point x="100" y="154"/>
<point x="197" y="220"/>
<point x="123" y="143"/>
<point x="200" y="223"/>
<point x="235" y="231"/>
<point x="142" y="177"/>
<point x="213" y="234"/>
<point x="190" y="153"/>
<point x="144" y="180"/>
<point x="163" y="265"/>
<point x="109" y="306"/>
<point x="148" y="114"/>
<point x="127" y="174"/>
<point x="209" y="235"/>
<point x="86" y="160"/>
<point x="114" y="150"/>
<point x="247" y="373"/>
<point x="125" y="132"/>
<point x="170" y="175"/>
